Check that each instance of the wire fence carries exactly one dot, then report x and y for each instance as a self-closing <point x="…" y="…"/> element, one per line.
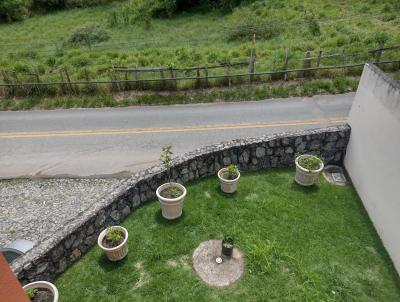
<point x="122" y="78"/>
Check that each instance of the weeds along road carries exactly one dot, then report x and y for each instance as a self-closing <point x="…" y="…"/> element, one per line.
<point x="118" y="141"/>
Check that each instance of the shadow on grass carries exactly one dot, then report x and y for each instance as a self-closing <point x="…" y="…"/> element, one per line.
<point x="304" y="189"/>
<point x="109" y="266"/>
<point x="223" y="194"/>
<point x="165" y="222"/>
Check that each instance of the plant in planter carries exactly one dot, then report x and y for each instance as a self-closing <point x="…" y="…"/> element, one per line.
<point x="227" y="246"/>
<point x="171" y="194"/>
<point x="41" y="291"/>
<point x="114" y="242"/>
<point x="228" y="178"/>
<point x="307" y="169"/>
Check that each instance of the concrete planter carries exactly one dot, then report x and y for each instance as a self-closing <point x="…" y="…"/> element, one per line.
<point x="171" y="208"/>
<point x="228" y="185"/>
<point x="115" y="253"/>
<point x="305" y="177"/>
<point x="43" y="285"/>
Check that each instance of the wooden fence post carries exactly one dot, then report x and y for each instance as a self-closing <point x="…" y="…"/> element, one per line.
<point x="69" y="80"/>
<point x="198" y="77"/>
<point x="379" y="52"/>
<point x="172" y="76"/>
<point x="307" y="64"/>
<point x="8" y="81"/>
<point x="37" y="77"/>
<point x="343" y="56"/>
<point x="229" y="74"/>
<point x="285" y="66"/>
<point x="126" y="86"/>
<point x="62" y="85"/>
<point x="319" y="58"/>
<point x="251" y="68"/>
<point x="206" y="74"/>
<point x="113" y="78"/>
<point x="162" y="77"/>
<point x="137" y="83"/>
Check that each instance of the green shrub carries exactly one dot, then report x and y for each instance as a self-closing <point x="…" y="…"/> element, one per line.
<point x="313" y="25"/>
<point x="342" y="40"/>
<point x="80" y="61"/>
<point x="113" y="19"/>
<point x="21" y="67"/>
<point x="142" y="11"/>
<point x="51" y="61"/>
<point x="49" y="5"/>
<point x="264" y="257"/>
<point x="226" y="5"/>
<point x="245" y="25"/>
<point x="341" y="84"/>
<point x="381" y="37"/>
<point x="11" y="10"/>
<point x="88" y="35"/>
<point x="139" y="11"/>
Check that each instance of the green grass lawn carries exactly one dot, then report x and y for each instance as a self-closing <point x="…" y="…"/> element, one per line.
<point x="195" y="38"/>
<point x="300" y="244"/>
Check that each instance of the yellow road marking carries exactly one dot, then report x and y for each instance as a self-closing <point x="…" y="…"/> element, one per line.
<point x="34" y="134"/>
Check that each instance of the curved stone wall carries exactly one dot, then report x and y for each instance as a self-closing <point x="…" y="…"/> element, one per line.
<point x="53" y="255"/>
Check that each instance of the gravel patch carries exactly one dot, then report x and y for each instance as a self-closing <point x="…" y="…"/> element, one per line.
<point x="34" y="209"/>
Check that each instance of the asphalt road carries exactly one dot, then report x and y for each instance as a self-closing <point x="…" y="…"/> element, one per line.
<point x="119" y="141"/>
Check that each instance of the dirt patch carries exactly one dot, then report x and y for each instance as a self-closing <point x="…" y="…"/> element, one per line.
<point x="182" y="262"/>
<point x="251" y="197"/>
<point x="172" y="262"/>
<point x="144" y="278"/>
<point x="207" y="194"/>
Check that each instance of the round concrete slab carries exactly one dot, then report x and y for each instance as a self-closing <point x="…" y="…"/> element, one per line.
<point x="214" y="274"/>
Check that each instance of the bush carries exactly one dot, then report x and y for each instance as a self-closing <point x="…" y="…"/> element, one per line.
<point x="313" y="25"/>
<point x="245" y="26"/>
<point x="141" y="11"/>
<point x="15" y="10"/>
<point x="88" y="35"/>
<point x="49" y="5"/>
<point x="11" y="10"/>
<point x="381" y="38"/>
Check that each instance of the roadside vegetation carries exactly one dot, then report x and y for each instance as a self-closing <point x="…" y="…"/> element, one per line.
<point x="235" y="94"/>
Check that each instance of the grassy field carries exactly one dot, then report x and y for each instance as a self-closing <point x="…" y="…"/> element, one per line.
<point x="300" y="244"/>
<point x="196" y="38"/>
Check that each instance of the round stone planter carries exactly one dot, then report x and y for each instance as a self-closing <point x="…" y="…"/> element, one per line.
<point x="114" y="253"/>
<point x="305" y="177"/>
<point x="43" y="285"/>
<point x="171" y="208"/>
<point x="228" y="185"/>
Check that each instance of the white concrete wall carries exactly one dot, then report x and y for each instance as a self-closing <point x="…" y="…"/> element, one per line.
<point x="373" y="154"/>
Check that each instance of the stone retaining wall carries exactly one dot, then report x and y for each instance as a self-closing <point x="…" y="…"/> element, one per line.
<point x="53" y="255"/>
